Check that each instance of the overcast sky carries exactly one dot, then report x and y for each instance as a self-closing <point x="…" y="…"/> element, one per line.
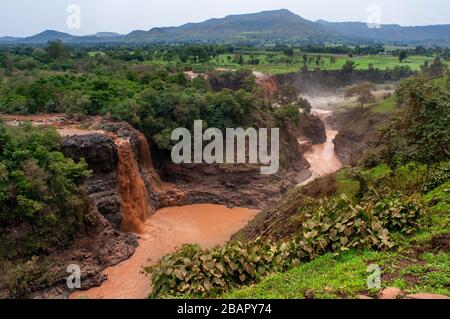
<point x="28" y="17"/>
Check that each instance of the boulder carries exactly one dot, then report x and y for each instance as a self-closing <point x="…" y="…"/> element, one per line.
<point x="390" y="293"/>
<point x="310" y="294"/>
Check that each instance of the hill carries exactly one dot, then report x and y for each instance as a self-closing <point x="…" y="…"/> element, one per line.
<point x="276" y="26"/>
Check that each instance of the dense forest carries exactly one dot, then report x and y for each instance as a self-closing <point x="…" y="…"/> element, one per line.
<point x="154" y="98"/>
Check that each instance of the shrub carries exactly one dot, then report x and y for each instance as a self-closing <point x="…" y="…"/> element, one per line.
<point x="437" y="175"/>
<point x="41" y="192"/>
<point x="336" y="226"/>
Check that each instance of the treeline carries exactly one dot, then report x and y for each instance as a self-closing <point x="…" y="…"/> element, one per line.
<point x="25" y="57"/>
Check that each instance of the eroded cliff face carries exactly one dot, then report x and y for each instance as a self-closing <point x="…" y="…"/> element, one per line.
<point x="313" y="128"/>
<point x="240" y="185"/>
<point x="267" y="82"/>
<point x="357" y="131"/>
<point x="172" y="184"/>
<point x="124" y="185"/>
<point x="128" y="183"/>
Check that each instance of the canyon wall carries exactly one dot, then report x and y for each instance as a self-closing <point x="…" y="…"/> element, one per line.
<point x="124" y="185"/>
<point x="317" y="82"/>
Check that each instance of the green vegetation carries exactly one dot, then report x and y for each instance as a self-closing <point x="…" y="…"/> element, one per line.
<point x="385" y="106"/>
<point x="337" y="226"/>
<point x="419" y="263"/>
<point x="345" y="276"/>
<point x="41" y="192"/>
<point x="154" y="98"/>
<point x="398" y="199"/>
<point x="389" y="215"/>
<point x="276" y="63"/>
<point x="420" y="132"/>
<point x="334" y="232"/>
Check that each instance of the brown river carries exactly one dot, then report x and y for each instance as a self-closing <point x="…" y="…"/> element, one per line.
<point x="207" y="225"/>
<point x="322" y="157"/>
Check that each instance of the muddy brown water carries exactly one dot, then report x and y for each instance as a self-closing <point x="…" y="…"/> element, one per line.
<point x="322" y="158"/>
<point x="169" y="228"/>
<point x="206" y="225"/>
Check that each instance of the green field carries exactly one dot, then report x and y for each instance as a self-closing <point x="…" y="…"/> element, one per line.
<point x="274" y="63"/>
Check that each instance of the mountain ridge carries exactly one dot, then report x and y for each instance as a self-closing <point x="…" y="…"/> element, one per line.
<point x="266" y="26"/>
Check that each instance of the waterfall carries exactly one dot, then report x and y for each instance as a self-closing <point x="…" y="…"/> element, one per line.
<point x="135" y="204"/>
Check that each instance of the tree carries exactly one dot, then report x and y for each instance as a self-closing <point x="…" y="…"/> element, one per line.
<point x="419" y="133"/>
<point x="57" y="50"/>
<point x="362" y="92"/>
<point x="288" y="95"/>
<point x="289" y="52"/>
<point x="349" y="66"/>
<point x="239" y="59"/>
<point x="305" y="59"/>
<point x="435" y="69"/>
<point x="402" y="57"/>
<point x="318" y="60"/>
<point x="41" y="190"/>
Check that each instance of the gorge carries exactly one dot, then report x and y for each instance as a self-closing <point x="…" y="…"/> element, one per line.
<point x="161" y="205"/>
<point x="208" y="225"/>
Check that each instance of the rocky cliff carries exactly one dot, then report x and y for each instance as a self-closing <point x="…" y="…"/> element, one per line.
<point x="357" y="130"/>
<point x="163" y="184"/>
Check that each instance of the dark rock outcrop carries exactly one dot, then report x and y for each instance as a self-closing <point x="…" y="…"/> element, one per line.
<point x="100" y="153"/>
<point x="232" y="185"/>
<point x="98" y="150"/>
<point x="357" y="131"/>
<point x="104" y="248"/>
<point x="313" y="128"/>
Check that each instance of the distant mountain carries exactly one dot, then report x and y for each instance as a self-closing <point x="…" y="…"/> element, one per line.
<point x="48" y="35"/>
<point x="435" y="34"/>
<point x="9" y="39"/>
<point x="106" y="34"/>
<point x="267" y="26"/>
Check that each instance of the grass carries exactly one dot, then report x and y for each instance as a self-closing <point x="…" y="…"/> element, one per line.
<point x="345" y="184"/>
<point x="419" y="264"/>
<point x="345" y="276"/>
<point x="385" y="106"/>
<point x="328" y="276"/>
<point x="273" y="63"/>
<point x="440" y="197"/>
